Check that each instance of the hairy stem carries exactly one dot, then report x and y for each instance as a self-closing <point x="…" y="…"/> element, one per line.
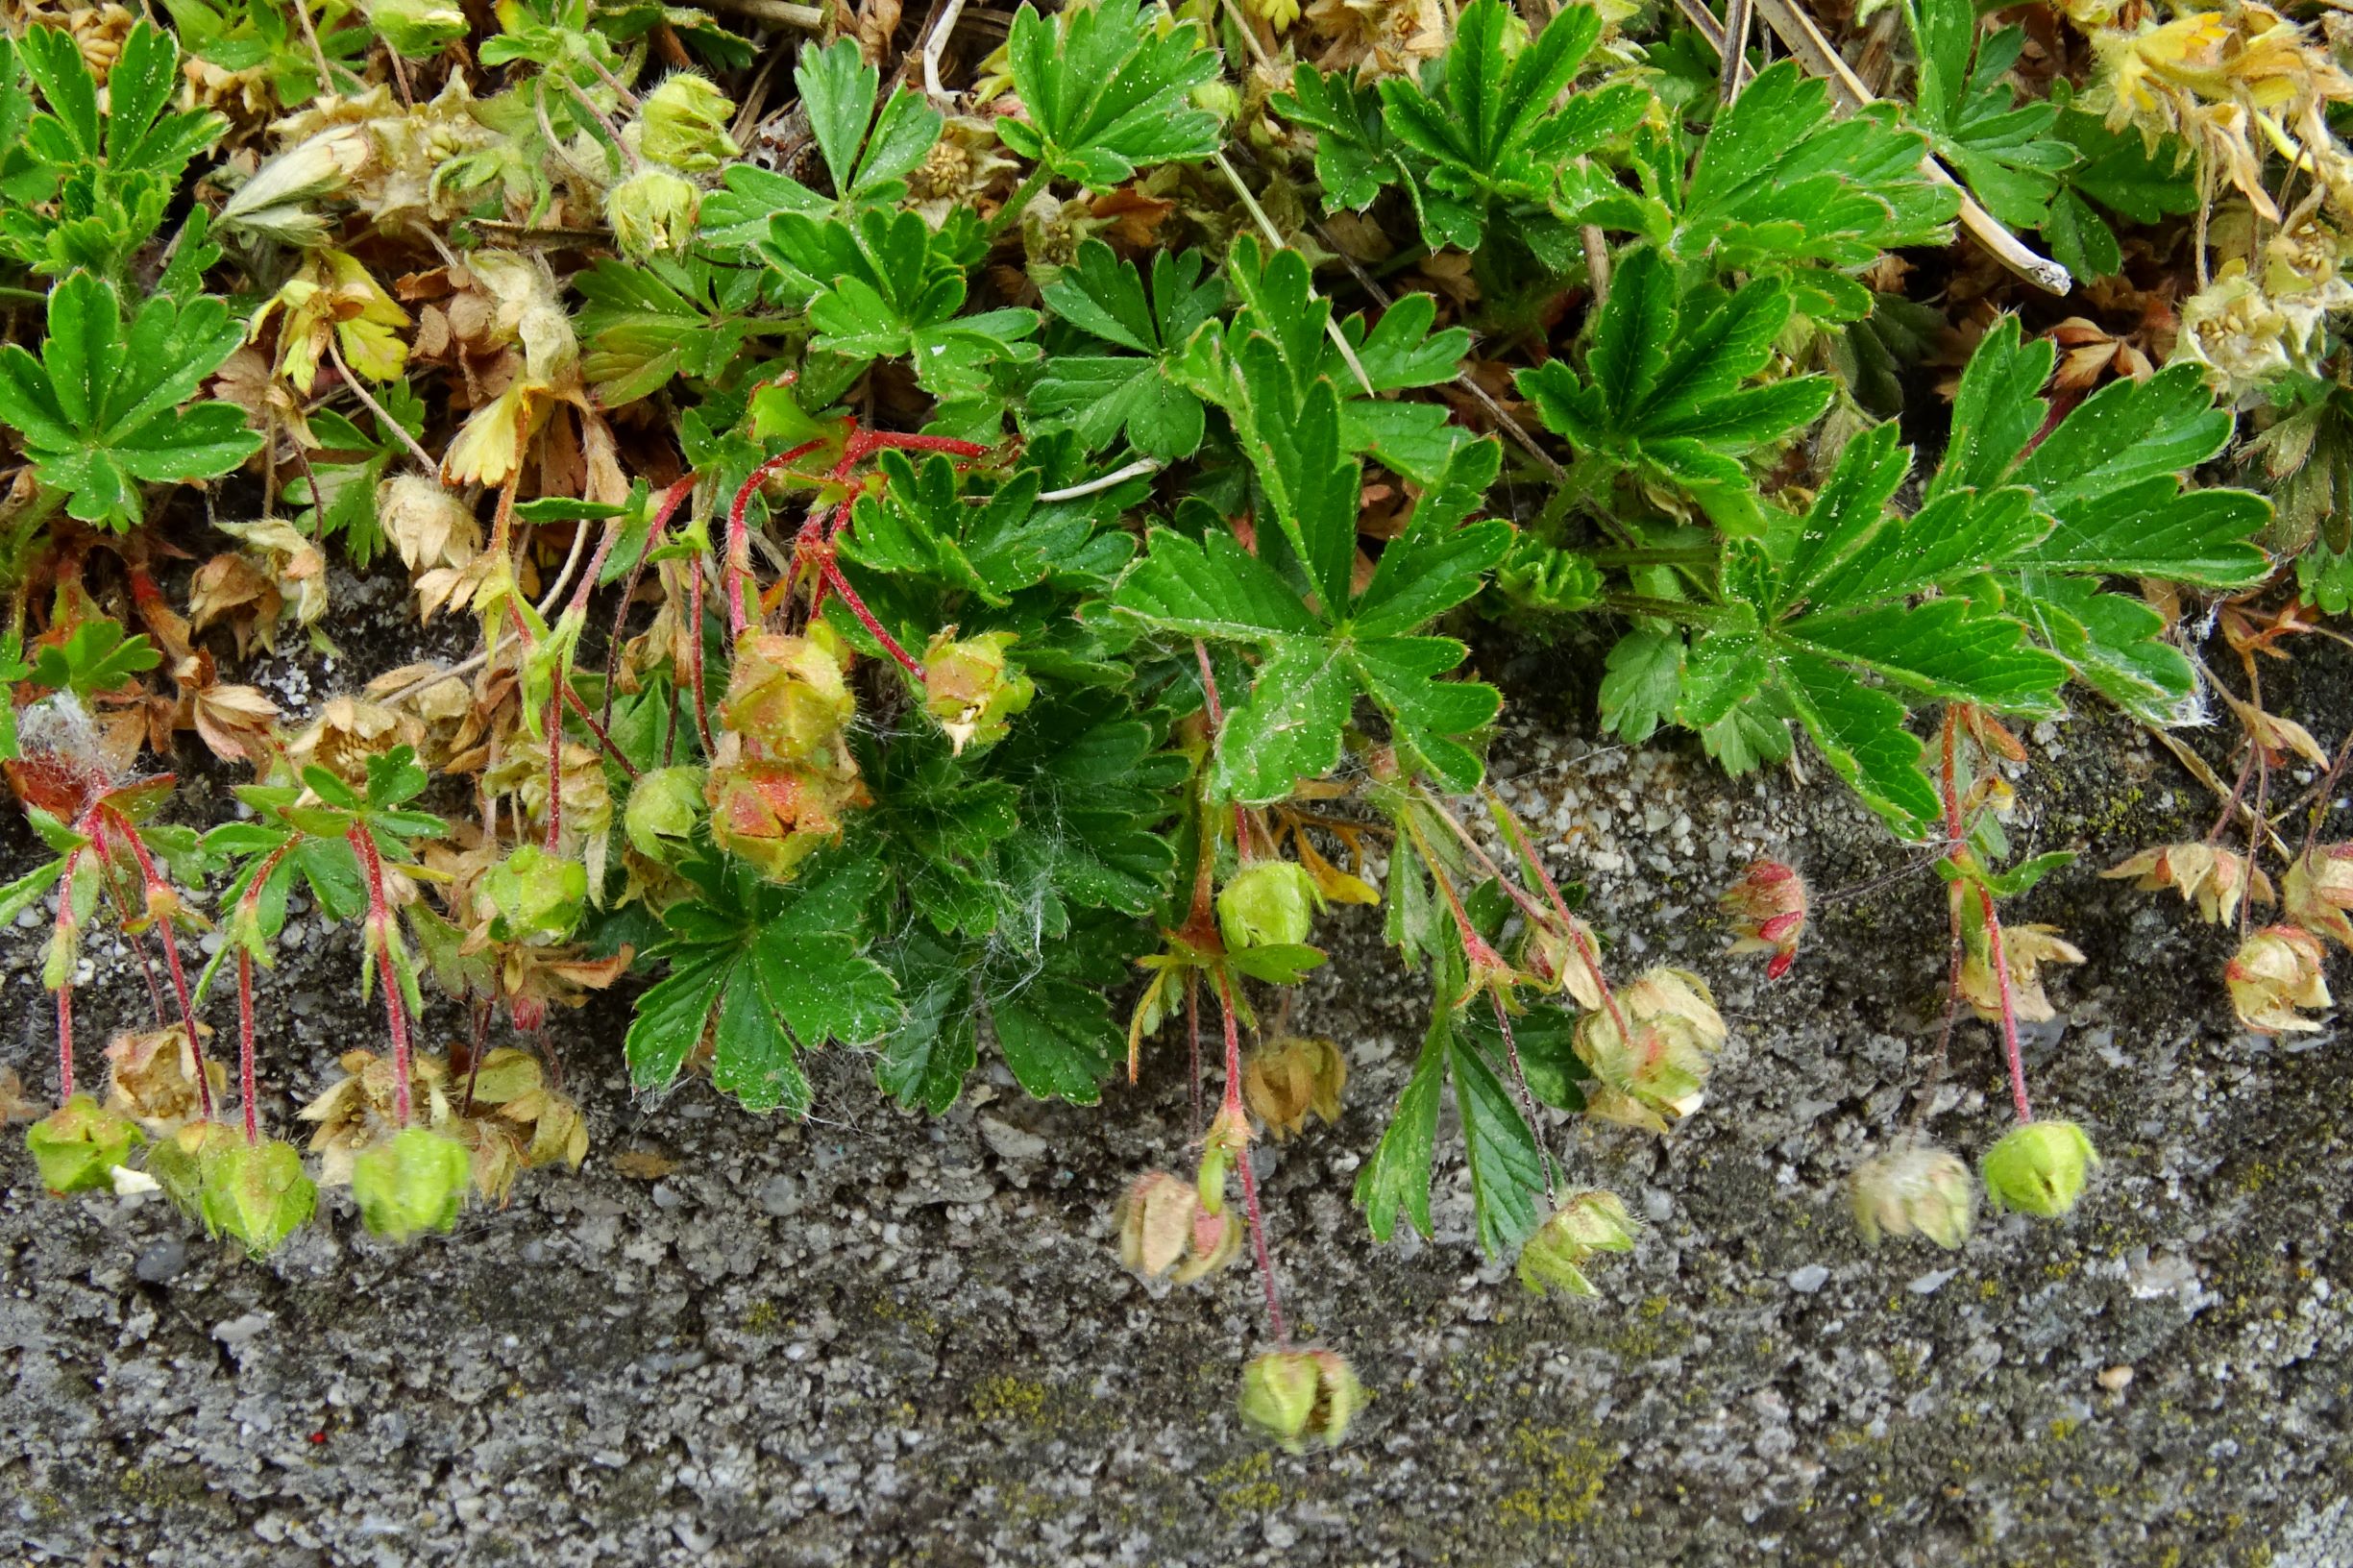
<point x="1528" y="1099"/>
<point x="1232" y="1103"/>
<point x="159" y="892"/>
<point x="694" y="657"/>
<point x="380" y="927"/>
<point x="556" y="764"/>
<point x="245" y="1046"/>
<point x="671" y="500"/>
<point x="1570" y="923"/>
<point x="739" y="533"/>
<point x="2009" y="1017"/>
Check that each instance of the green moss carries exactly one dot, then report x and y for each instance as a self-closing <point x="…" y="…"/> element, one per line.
<point x="1566" y="1475"/>
<point x="1246" y="1486"/>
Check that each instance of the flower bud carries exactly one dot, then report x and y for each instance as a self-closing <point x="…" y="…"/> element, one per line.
<point x="416" y="28"/>
<point x="1658" y="1074"/>
<point x="2039" y="1168"/>
<point x="283" y="199"/>
<point x="534" y="897"/>
<point x="255" y="1192"/>
<point x="2213" y="878"/>
<point x="1269" y="903"/>
<point x="1585" y="1223"/>
<point x="413" y="1181"/>
<point x="1916" y="1191"/>
<point x="776" y="815"/>
<point x="1557" y="957"/>
<point x="1299" y="1396"/>
<point x="77" y="1146"/>
<point x="788" y="697"/>
<point x="2276" y="972"/>
<point x="1163" y="1227"/>
<point x="652" y="213"/>
<point x="972" y="689"/>
<point x="2320" y="889"/>
<point x="1767" y="908"/>
<point x="1219" y="98"/>
<point x="684" y="124"/>
<point x="665" y="805"/>
<point x="1293" y="1078"/>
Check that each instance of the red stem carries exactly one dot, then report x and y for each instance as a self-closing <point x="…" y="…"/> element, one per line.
<point x="671" y="500"/>
<point x="2009" y="1017"/>
<point x="379" y="925"/>
<point x="154" y="884"/>
<point x="1193" y="1043"/>
<point x="245" y="1043"/>
<point x="604" y="736"/>
<point x="555" y="763"/>
<point x="693" y="654"/>
<point x="739" y="533"/>
<point x="1233" y="1105"/>
<point x="866" y="618"/>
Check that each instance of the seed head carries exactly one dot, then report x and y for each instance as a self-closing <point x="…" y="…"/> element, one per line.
<point x="2274" y="972"/>
<point x="1299" y="1396"/>
<point x="1269" y="903"/>
<point x="2039" y="1168"/>
<point x="1293" y="1078"/>
<point x="1918" y="1191"/>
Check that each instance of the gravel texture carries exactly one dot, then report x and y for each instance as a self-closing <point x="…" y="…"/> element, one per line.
<point x="873" y="1338"/>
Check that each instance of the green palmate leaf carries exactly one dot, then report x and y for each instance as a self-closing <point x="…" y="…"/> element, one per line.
<point x="925" y="1060"/>
<point x="94" y="657"/>
<point x="924" y="528"/>
<point x="867" y="151"/>
<point x="1991" y="593"/>
<point x="92" y="189"/>
<point x="99" y="411"/>
<point x="641" y="325"/>
<point x="764" y="973"/>
<point x="1100" y="395"/>
<point x="1355" y="156"/>
<point x="1106" y="86"/>
<point x="889" y="286"/>
<point x="1314" y="665"/>
<point x="2004" y="149"/>
<point x="1663" y="390"/>
<point x="2117" y="171"/>
<point x="1487" y="123"/>
<point x="1781" y="187"/>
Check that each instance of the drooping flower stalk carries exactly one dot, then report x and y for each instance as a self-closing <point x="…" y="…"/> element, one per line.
<point x="739" y="533"/>
<point x="1956" y="851"/>
<point x="249" y="912"/>
<point x="160" y="900"/>
<point x="2009" y="1017"/>
<point x="1578" y="940"/>
<point x="1233" y="1107"/>
<point x="380" y="929"/>
<point x="555" y="763"/>
<point x="671" y="500"/>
